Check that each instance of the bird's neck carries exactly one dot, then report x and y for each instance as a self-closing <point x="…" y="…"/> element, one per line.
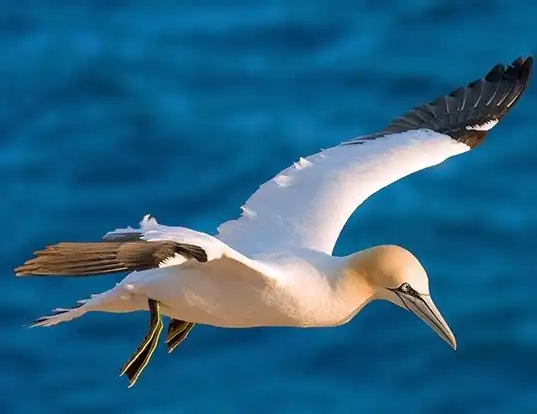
<point x="354" y="286"/>
<point x="350" y="290"/>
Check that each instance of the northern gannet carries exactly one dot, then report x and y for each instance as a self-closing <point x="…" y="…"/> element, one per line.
<point x="274" y="266"/>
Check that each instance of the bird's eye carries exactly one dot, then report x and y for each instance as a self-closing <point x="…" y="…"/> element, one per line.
<point x="405" y="287"/>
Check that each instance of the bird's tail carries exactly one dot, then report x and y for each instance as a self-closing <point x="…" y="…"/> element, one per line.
<point x="60" y="315"/>
<point x="115" y="300"/>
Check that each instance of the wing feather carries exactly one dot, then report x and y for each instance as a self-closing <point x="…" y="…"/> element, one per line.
<point x="308" y="204"/>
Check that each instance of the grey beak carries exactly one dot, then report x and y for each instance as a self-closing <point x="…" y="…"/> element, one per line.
<point x="424" y="308"/>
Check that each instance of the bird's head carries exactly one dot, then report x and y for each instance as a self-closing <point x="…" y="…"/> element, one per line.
<point x="394" y="274"/>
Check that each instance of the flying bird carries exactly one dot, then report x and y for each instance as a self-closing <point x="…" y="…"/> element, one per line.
<point x="273" y="266"/>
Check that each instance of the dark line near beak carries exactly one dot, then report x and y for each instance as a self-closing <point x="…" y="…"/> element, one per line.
<point x="402" y="300"/>
<point x="435" y="321"/>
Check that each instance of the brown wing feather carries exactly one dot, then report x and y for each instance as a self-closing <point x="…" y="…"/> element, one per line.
<point x="83" y="259"/>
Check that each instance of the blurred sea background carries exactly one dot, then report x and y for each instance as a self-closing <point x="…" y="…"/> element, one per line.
<point x="113" y="109"/>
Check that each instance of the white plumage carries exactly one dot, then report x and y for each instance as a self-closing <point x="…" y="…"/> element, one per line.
<point x="318" y="197"/>
<point x="273" y="266"/>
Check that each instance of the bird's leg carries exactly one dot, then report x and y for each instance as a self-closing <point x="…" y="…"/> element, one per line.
<point x="175" y="326"/>
<point x="139" y="360"/>
<point x="177" y="333"/>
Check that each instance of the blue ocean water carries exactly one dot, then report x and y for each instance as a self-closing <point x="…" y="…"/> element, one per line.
<point x="114" y="109"/>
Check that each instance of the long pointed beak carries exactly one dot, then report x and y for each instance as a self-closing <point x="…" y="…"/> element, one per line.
<point x="423" y="307"/>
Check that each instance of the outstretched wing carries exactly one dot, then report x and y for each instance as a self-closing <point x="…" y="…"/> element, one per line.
<point x="151" y="246"/>
<point x="308" y="204"/>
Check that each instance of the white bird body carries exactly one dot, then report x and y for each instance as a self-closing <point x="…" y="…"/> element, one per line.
<point x="277" y="288"/>
<point x="274" y="265"/>
<point x="296" y="286"/>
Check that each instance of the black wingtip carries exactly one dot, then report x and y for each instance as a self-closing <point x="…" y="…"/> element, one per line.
<point x="518" y="70"/>
<point x="467" y="113"/>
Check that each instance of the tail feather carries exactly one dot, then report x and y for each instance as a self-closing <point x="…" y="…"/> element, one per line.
<point x="116" y="300"/>
<point x="84" y="301"/>
<point x="60" y="315"/>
